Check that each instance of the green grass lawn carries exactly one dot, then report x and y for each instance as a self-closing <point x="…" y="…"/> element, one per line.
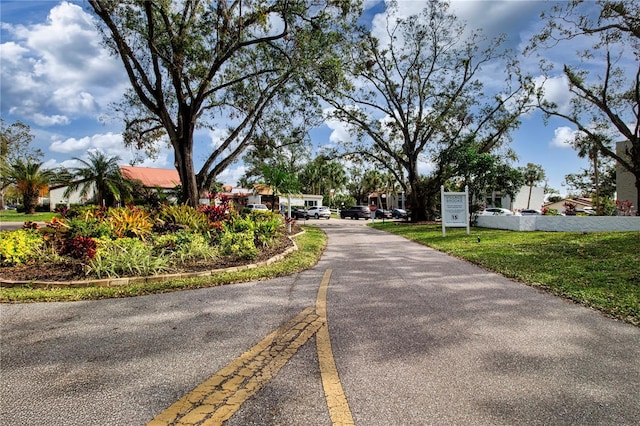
<point x="310" y="247"/>
<point x="600" y="269"/>
<point x="14" y="216"/>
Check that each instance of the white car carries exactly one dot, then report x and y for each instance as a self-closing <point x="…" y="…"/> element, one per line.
<point x="257" y="207"/>
<point x="496" y="211"/>
<point x="318" y="212"/>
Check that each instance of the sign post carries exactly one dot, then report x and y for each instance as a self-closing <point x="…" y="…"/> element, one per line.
<point x="373" y="209"/>
<point x="455" y="209"/>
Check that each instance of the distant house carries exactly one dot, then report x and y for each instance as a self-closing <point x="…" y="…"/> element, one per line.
<point x="263" y="194"/>
<point x="151" y="178"/>
<point x="580" y="203"/>
<point x="625" y="181"/>
<point x="519" y="202"/>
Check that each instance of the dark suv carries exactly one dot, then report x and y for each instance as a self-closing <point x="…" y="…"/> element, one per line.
<point x="356" y="212"/>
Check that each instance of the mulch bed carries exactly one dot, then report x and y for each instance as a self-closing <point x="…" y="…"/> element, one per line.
<point x="72" y="270"/>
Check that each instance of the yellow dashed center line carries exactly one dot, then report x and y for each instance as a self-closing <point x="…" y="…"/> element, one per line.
<point x="219" y="397"/>
<point x="339" y="410"/>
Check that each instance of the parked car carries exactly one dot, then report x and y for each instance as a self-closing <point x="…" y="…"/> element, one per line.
<point x="496" y="211"/>
<point x="256" y="207"/>
<point x="399" y="213"/>
<point x="319" y="211"/>
<point x="530" y="212"/>
<point x="356" y="212"/>
<point x="299" y="213"/>
<point x="383" y="214"/>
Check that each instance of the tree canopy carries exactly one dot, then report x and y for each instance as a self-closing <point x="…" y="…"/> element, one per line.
<point x="194" y="62"/>
<point x="605" y="85"/>
<point x="416" y="96"/>
<point x="15" y="140"/>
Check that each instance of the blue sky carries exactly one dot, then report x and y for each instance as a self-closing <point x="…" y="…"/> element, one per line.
<point x="55" y="77"/>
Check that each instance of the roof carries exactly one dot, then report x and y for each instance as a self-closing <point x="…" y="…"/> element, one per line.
<point x="262" y="189"/>
<point x="152" y="177"/>
<point x="579" y="202"/>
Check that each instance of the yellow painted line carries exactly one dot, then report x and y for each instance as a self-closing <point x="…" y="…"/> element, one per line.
<point x="219" y="397"/>
<point x="339" y="410"/>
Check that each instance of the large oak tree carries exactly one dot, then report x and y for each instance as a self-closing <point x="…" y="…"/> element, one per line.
<point x="605" y="84"/>
<point x="194" y="62"/>
<point x="417" y="96"/>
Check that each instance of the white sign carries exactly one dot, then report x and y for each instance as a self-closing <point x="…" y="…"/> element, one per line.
<point x="455" y="209"/>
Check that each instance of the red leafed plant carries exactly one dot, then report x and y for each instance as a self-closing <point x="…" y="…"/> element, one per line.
<point x="218" y="212"/>
<point x="79" y="247"/>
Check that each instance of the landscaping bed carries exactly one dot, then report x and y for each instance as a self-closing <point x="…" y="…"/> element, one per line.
<point x="72" y="270"/>
<point x="93" y="243"/>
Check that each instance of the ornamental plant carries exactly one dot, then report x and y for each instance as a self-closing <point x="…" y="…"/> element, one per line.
<point x="185" y="216"/>
<point x="130" y="222"/>
<point x="19" y="246"/>
<point x="79" y="247"/>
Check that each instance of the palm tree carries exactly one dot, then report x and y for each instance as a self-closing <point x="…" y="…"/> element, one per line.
<point x="29" y="180"/>
<point x="102" y="174"/>
<point x="533" y="174"/>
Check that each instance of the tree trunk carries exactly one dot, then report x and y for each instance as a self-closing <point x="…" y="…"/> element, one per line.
<point x="183" y="153"/>
<point x="637" y="195"/>
<point x="529" y="199"/>
<point x="30" y="202"/>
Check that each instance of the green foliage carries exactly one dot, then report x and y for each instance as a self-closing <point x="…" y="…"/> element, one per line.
<point x="19" y="246"/>
<point x="89" y="227"/>
<point x="238" y="244"/>
<point x="311" y="245"/>
<point x="130" y="222"/>
<point x="263" y="225"/>
<point x="101" y="173"/>
<point x="28" y="178"/>
<point x="186" y="216"/>
<point x="550" y="212"/>
<point x="267" y="228"/>
<point x="126" y="256"/>
<point x="184" y="245"/>
<point x="339" y="201"/>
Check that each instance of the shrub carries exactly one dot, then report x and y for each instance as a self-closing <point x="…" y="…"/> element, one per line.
<point x="184" y="245"/>
<point x="218" y="212"/>
<point x="79" y="247"/>
<point x="238" y="244"/>
<point x="130" y="222"/>
<point x="186" y="216"/>
<point x="87" y="212"/>
<point x="90" y="227"/>
<point x="267" y="229"/>
<point x="19" y="246"/>
<point x="126" y="257"/>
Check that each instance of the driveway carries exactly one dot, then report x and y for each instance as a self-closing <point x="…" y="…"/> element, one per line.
<point x="418" y="338"/>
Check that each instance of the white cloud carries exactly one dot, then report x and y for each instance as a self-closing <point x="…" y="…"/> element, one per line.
<point x="556" y="90"/>
<point x="50" y="120"/>
<point x="230" y="176"/>
<point x="339" y="130"/>
<point x="59" y="66"/>
<point x="563" y="136"/>
<point x="12" y="52"/>
<point x="70" y="145"/>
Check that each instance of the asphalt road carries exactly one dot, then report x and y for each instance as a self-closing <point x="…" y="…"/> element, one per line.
<point x="418" y="337"/>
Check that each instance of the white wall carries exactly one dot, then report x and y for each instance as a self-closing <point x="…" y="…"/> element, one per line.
<point x="561" y="223"/>
<point x="56" y="197"/>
